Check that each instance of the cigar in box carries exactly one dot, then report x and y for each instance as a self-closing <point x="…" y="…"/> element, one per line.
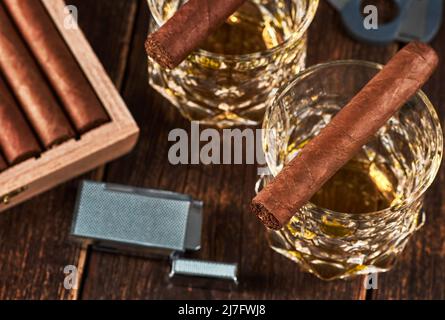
<point x="17" y="141"/>
<point x="66" y="77"/>
<point x="83" y="91"/>
<point x="30" y="87"/>
<point x="136" y="221"/>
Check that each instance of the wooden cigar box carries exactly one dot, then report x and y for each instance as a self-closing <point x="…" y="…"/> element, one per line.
<point x="75" y="157"/>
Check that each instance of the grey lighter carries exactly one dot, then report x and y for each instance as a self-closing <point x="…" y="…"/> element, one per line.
<point x="204" y="274"/>
<point x="136" y="221"/>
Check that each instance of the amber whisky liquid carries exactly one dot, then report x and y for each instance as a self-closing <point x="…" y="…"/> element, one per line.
<point x="251" y="29"/>
<point x="358" y="187"/>
<point x="363" y="185"/>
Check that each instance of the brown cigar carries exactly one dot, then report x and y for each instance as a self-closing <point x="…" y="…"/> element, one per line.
<point x="30" y="87"/>
<point x="16" y="138"/>
<point x="80" y="102"/>
<point x="344" y="136"/>
<point x="3" y="164"/>
<point x="187" y="29"/>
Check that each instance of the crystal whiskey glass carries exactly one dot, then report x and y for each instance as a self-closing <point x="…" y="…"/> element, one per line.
<point x="361" y="219"/>
<point x="235" y="74"/>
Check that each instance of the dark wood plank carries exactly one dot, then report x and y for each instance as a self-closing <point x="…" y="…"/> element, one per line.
<point x="328" y="41"/>
<point x="109" y="28"/>
<point x="420" y="271"/>
<point x="230" y="232"/>
<point x="34" y="247"/>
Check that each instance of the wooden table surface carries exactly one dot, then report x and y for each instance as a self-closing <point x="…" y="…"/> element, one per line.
<point x="34" y="245"/>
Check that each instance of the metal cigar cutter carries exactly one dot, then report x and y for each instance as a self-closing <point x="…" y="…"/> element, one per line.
<point x="417" y="20"/>
<point x="137" y="221"/>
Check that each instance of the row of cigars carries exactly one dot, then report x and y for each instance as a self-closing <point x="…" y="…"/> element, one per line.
<point x="45" y="98"/>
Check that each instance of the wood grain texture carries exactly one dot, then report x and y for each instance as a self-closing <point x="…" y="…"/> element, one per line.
<point x="34" y="247"/>
<point x="420" y="271"/>
<point x="230" y="231"/>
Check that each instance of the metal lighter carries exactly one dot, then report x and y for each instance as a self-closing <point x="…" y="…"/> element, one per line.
<point x="137" y="221"/>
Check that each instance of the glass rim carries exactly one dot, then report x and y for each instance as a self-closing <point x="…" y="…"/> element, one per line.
<point x="436" y="161"/>
<point x="295" y="36"/>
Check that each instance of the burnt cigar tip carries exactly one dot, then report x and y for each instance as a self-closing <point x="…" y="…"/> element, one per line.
<point x="266" y="217"/>
<point x="158" y="53"/>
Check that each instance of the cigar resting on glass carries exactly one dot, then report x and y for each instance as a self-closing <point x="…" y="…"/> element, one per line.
<point x="56" y="60"/>
<point x="17" y="141"/>
<point x="30" y="87"/>
<point x="193" y="23"/>
<point x="345" y="135"/>
<point x="3" y="165"/>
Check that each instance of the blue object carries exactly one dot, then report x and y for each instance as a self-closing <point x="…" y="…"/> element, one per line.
<point x="417" y="20"/>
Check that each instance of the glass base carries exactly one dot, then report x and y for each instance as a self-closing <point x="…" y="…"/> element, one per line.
<point x="331" y="250"/>
<point x="326" y="269"/>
